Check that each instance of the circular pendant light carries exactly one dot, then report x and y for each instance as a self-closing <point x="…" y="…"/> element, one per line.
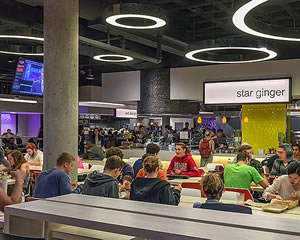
<point x="239" y="21"/>
<point x="271" y="54"/>
<point x="113" y="21"/>
<point x="37" y="39"/>
<point x="129" y="15"/>
<point x="114" y="58"/>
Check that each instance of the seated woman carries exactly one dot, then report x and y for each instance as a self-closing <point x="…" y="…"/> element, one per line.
<point x="183" y="162"/>
<point x="286" y="187"/>
<point x="153" y="189"/>
<point x="17" y="161"/>
<point x="213" y="187"/>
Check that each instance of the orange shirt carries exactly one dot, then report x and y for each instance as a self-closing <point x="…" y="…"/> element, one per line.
<point x="161" y="174"/>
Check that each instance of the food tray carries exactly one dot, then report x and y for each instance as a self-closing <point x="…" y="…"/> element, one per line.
<point x="275" y="208"/>
<point x="289" y="203"/>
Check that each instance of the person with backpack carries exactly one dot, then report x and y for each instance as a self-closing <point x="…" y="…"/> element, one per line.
<point x="206" y="148"/>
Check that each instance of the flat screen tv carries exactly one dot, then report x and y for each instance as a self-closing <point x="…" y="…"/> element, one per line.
<point x="29" y="79"/>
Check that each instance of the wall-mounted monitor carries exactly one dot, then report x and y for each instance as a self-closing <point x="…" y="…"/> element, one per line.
<point x="29" y="79"/>
<point x="126" y="113"/>
<point x="248" y="91"/>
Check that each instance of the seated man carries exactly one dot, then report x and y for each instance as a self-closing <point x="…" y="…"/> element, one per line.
<point x="151" y="150"/>
<point x="93" y="152"/>
<point x="153" y="189"/>
<point x="104" y="184"/>
<point x="10" y="145"/>
<point x="213" y="188"/>
<point x="285" y="158"/>
<point x="55" y="181"/>
<point x="127" y="169"/>
<point x="253" y="162"/>
<point x="33" y="155"/>
<point x="241" y="175"/>
<point x="16" y="196"/>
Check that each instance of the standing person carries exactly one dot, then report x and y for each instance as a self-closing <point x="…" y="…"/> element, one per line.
<point x="286" y="187"/>
<point x="285" y="158"/>
<point x="241" y="175"/>
<point x="33" y="156"/>
<point x="2" y="158"/>
<point x="153" y="189"/>
<point x="220" y="139"/>
<point x="296" y="152"/>
<point x="206" y="148"/>
<point x="55" y="181"/>
<point x="167" y="137"/>
<point x="141" y="135"/>
<point x="183" y="162"/>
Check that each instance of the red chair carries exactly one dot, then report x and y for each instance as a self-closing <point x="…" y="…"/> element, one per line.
<point x="194" y="186"/>
<point x="35" y="174"/>
<point x="201" y="171"/>
<point x="31" y="199"/>
<point x="246" y="192"/>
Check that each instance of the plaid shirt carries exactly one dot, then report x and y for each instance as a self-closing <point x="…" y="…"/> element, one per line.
<point x="257" y="165"/>
<point x="279" y="169"/>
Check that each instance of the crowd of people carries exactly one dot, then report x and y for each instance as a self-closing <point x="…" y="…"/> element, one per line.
<point x="146" y="180"/>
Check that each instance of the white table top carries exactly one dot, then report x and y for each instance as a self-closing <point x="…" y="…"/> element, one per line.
<point x="133" y="224"/>
<point x="206" y="216"/>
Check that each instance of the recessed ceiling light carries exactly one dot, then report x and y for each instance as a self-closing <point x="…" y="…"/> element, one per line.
<point x="158" y="21"/>
<point x="22" y="37"/>
<point x="239" y="21"/>
<point x="271" y="54"/>
<point x="113" y="58"/>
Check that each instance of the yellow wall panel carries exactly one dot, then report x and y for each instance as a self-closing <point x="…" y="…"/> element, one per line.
<point x="265" y="121"/>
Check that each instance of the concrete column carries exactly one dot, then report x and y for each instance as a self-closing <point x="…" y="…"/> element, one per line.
<point x="61" y="33"/>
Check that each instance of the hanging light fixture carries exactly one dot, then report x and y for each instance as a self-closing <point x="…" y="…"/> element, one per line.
<point x="199" y="120"/>
<point x="150" y="17"/>
<point x="224" y="119"/>
<point x="246" y="119"/>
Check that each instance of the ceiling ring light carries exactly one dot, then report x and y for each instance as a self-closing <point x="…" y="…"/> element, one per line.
<point x="271" y="54"/>
<point x="121" y="58"/>
<point x="239" y="21"/>
<point x="22" y="37"/>
<point x="158" y="21"/>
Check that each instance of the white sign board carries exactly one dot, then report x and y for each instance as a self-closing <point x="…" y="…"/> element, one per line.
<point x="248" y="91"/>
<point x="126" y="113"/>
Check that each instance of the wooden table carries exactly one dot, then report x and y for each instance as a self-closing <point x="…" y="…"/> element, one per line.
<point x="80" y="171"/>
<point x="188" y="201"/>
<point x="188" y="180"/>
<point x="267" y="224"/>
<point x="51" y="213"/>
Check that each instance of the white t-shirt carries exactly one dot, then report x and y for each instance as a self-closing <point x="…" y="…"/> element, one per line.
<point x="38" y="157"/>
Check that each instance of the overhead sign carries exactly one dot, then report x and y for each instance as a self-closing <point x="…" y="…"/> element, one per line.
<point x="126" y="113"/>
<point x="248" y="91"/>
